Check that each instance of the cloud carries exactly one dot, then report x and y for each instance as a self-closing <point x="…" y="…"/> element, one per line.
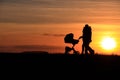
<point x="39" y="48"/>
<point x="56" y="11"/>
<point x="42" y="1"/>
<point x="20" y="1"/>
<point x="3" y="47"/>
<point x="55" y="35"/>
<point x="35" y="47"/>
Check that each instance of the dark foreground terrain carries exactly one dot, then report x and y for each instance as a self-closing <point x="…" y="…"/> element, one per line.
<point x="53" y="63"/>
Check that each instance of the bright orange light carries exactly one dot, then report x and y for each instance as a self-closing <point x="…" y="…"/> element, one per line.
<point x="108" y="43"/>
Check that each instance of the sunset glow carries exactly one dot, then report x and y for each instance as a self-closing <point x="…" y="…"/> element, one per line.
<point x="40" y="25"/>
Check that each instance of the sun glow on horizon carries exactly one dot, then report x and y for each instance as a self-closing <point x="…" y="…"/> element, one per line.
<point x="108" y="43"/>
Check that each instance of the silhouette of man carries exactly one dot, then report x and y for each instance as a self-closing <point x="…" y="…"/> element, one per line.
<point x="86" y="38"/>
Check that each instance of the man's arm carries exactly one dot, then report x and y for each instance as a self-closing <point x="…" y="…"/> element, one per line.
<point x="80" y="37"/>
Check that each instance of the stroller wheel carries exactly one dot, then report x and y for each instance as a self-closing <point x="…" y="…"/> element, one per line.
<point x="67" y="50"/>
<point x="76" y="52"/>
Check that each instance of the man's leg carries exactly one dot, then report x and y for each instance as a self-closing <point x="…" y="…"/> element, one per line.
<point x="90" y="49"/>
<point x="83" y="48"/>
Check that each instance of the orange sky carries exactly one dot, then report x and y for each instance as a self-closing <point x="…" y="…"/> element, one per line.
<point x="42" y="24"/>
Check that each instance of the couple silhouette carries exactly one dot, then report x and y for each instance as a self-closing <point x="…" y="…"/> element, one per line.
<point x="86" y="39"/>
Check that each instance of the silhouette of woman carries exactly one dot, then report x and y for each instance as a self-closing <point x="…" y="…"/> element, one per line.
<point x="86" y="38"/>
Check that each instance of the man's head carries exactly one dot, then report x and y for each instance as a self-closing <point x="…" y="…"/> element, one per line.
<point x="86" y="25"/>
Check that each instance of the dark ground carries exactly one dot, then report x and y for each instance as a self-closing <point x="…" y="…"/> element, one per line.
<point x="46" y="63"/>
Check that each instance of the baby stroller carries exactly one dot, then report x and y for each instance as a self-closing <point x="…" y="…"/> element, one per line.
<point x="69" y="38"/>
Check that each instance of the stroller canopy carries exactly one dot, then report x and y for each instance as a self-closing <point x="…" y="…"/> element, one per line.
<point x="68" y="38"/>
